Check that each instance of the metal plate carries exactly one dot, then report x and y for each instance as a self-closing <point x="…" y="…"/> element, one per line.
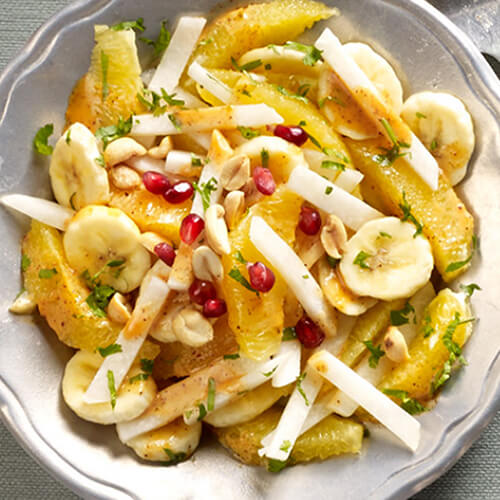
<point x="428" y="53"/>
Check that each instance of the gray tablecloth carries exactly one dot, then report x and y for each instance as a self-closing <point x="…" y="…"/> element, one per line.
<point x="474" y="476"/>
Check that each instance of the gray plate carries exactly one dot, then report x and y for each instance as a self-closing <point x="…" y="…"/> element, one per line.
<point x="428" y="53"/>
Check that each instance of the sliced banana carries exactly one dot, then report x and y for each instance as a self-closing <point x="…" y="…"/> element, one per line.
<point x="385" y="259"/>
<point x="338" y="294"/>
<point x="77" y="177"/>
<point x="98" y="236"/>
<point x="177" y="437"/>
<point x="132" y="398"/>
<point x="445" y="127"/>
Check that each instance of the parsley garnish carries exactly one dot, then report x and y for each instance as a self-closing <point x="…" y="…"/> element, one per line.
<point x="174" y="458"/>
<point x="392" y="154"/>
<point x="312" y="54"/>
<point x="383" y="234"/>
<point x="239" y="257"/>
<point x="303" y="89"/>
<point x="205" y="190"/>
<point x="248" y="133"/>
<point x="175" y="122"/>
<point x="72" y="201"/>
<point x="299" y="381"/>
<point x="328" y="190"/>
<point x="264" y="157"/>
<point x="46" y="274"/>
<point x="202" y="411"/>
<point x="420" y="115"/>
<point x="162" y="42"/>
<point x="268" y="66"/>
<point x="434" y="145"/>
<point x="112" y="132"/>
<point x="334" y="99"/>
<point x="99" y="299"/>
<point x="170" y="98"/>
<point x="237" y="276"/>
<point x="287" y="93"/>
<point x="410" y="405"/>
<point x="333" y="165"/>
<point x="40" y="142"/>
<point x="427" y="328"/>
<point x="360" y="260"/>
<point x="68" y="137"/>
<point x="305" y="276"/>
<point x="25" y="263"/>
<point x="130" y="25"/>
<point x="454" y="266"/>
<point x="110" y="349"/>
<point x="274" y="465"/>
<point x="469" y="289"/>
<point x="268" y="374"/>
<point x="211" y="394"/>
<point x="408" y="216"/>
<point x="289" y="333"/>
<point x="195" y="161"/>
<point x="147" y="368"/>
<point x="206" y="41"/>
<point x="100" y="161"/>
<point x="232" y="356"/>
<point x="112" y="388"/>
<point x="402" y="316"/>
<point x="249" y="66"/>
<point x="376" y="353"/>
<point x="104" y="70"/>
<point x="285" y="445"/>
<point x="332" y="262"/>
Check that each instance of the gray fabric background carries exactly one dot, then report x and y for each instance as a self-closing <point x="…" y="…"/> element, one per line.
<point x="475" y="476"/>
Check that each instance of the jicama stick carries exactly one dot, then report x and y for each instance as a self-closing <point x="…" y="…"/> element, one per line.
<point x="211" y="83"/>
<point x="289" y="369"/>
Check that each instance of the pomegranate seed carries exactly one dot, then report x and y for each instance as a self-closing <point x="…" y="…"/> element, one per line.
<point x="191" y="227"/>
<point x="264" y="181"/>
<point x="309" y="220"/>
<point x="213" y="308"/>
<point x="165" y="252"/>
<point x="179" y="192"/>
<point x="261" y="277"/>
<point x="295" y="135"/>
<point x="155" y="182"/>
<point x="201" y="291"/>
<point x="309" y="333"/>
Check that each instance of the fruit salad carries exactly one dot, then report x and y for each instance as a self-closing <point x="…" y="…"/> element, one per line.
<point x="252" y="236"/>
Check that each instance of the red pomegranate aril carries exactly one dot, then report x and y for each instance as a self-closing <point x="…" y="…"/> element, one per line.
<point x="296" y="135"/>
<point x="165" y="252"/>
<point x="201" y="291"/>
<point x="179" y="192"/>
<point x="264" y="181"/>
<point x="309" y="221"/>
<point x="191" y="227"/>
<point x="213" y="308"/>
<point x="155" y="182"/>
<point x="261" y="277"/>
<point x="309" y="333"/>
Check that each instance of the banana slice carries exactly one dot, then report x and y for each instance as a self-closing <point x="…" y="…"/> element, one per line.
<point x="385" y="259"/>
<point x="338" y="294"/>
<point x="442" y="123"/>
<point x="104" y="240"/>
<point x="131" y="398"/>
<point x="171" y="443"/>
<point x="76" y="176"/>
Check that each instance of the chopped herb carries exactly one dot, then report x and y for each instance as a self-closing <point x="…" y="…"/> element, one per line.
<point x="264" y="157"/>
<point x="151" y="101"/>
<point x="392" y="154"/>
<point x="360" y="260"/>
<point x="175" y="458"/>
<point x="46" y="274"/>
<point x="249" y="66"/>
<point x="299" y="381"/>
<point x="116" y="263"/>
<point x="206" y="41"/>
<point x="20" y="293"/>
<point x="383" y="234"/>
<point x="408" y="216"/>
<point x="25" y="263"/>
<point x="312" y="54"/>
<point x="334" y="99"/>
<point x="469" y="289"/>
<point x="375" y="353"/>
<point x="274" y="48"/>
<point x="202" y="411"/>
<point x="112" y="388"/>
<point x="332" y="165"/>
<point x="162" y="42"/>
<point x="268" y="374"/>
<point x="332" y="262"/>
<point x="110" y="349"/>
<point x="99" y="299"/>
<point x="170" y="98"/>
<point x="402" y="316"/>
<point x="237" y="276"/>
<point x="248" y="133"/>
<point x="138" y="377"/>
<point x="205" y="190"/>
<point x="274" y="465"/>
<point x="130" y="25"/>
<point x="448" y="341"/>
<point x="100" y="161"/>
<point x="239" y="257"/>
<point x="289" y="333"/>
<point x="287" y="93"/>
<point x="454" y="266"/>
<point x="442" y="376"/>
<point x="40" y="142"/>
<point x="175" y="122"/>
<point x="245" y="92"/>
<point x="304" y="89"/>
<point x="104" y="71"/>
<point x="112" y="132"/>
<point x="268" y="66"/>
<point x="232" y="356"/>
<point x="211" y="394"/>
<point x="68" y="137"/>
<point x="420" y="115"/>
<point x="195" y="161"/>
<point x="427" y="328"/>
<point x="305" y="276"/>
<point x="71" y="201"/>
<point x="410" y="405"/>
<point x="187" y="414"/>
<point x="147" y="365"/>
<point x="328" y="189"/>
<point x="285" y="445"/>
<point x="434" y="145"/>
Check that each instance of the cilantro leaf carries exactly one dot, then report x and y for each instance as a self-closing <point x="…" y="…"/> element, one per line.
<point x="237" y="276"/>
<point x="99" y="299"/>
<point x="410" y="405"/>
<point x="332" y="262"/>
<point x="427" y="328"/>
<point x="312" y="54"/>
<point x="248" y="133"/>
<point x="376" y="353"/>
<point x="40" y="142"/>
<point x="408" y="216"/>
<point x="333" y="165"/>
<point x="392" y="154"/>
<point x="25" y="263"/>
<point x="46" y="274"/>
<point x="110" y="349"/>
<point x="174" y="458"/>
<point x="205" y="190"/>
<point x="147" y="365"/>
<point x="232" y="356"/>
<point x="289" y="333"/>
<point x="299" y="381"/>
<point x="285" y="445"/>
<point x="175" y="121"/>
<point x="287" y="93"/>
<point x="112" y="132"/>
<point x="274" y="465"/>
<point x="360" y="260"/>
<point x="202" y="411"/>
<point x="239" y="257"/>
<point x="264" y="158"/>
<point x="469" y="289"/>
<point x="402" y="316"/>
<point x="249" y="66"/>
<point x="211" y="394"/>
<point x="130" y="25"/>
<point x="270" y="373"/>
<point x="104" y="71"/>
<point x="162" y="42"/>
<point x="112" y="388"/>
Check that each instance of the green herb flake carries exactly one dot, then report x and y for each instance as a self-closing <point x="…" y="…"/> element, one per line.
<point x="427" y="328"/>
<point x="434" y="145"/>
<point x="264" y="158"/>
<point x="328" y="190"/>
<point x="174" y="458"/>
<point x="205" y="190"/>
<point x="110" y="349"/>
<point x="282" y="90"/>
<point x="112" y="132"/>
<point x="289" y="333"/>
<point x="312" y="54"/>
<point x="408" y="216"/>
<point x="248" y="133"/>
<point x="46" y="274"/>
<point x="391" y="155"/>
<point x="469" y="289"/>
<point x="112" y="388"/>
<point x="239" y="257"/>
<point x="285" y="445"/>
<point x="333" y="165"/>
<point x="420" y="115"/>
<point x="332" y="262"/>
<point x="40" y="142"/>
<point x="383" y="234"/>
<point x="360" y="260"/>
<point x="99" y="299"/>
<point x="211" y="394"/>
<point x="304" y="89"/>
<point x="195" y="161"/>
<point x="104" y="71"/>
<point x="455" y="266"/>
<point x="375" y="353"/>
<point x="402" y="316"/>
<point x="206" y="41"/>
<point x="274" y="465"/>
<point x="299" y="381"/>
<point x="232" y="356"/>
<point x="139" y="377"/>
<point x="25" y="263"/>
<point x="147" y="365"/>
<point x="72" y="201"/>
<point x="161" y="43"/>
<point x="268" y="66"/>
<point x="410" y="405"/>
<point x="175" y="122"/>
<point x="68" y="137"/>
<point x="249" y="66"/>
<point x="202" y="412"/>
<point x="188" y="414"/>
<point x="137" y="25"/>
<point x="270" y="373"/>
<point x="335" y="99"/>
<point x="237" y="276"/>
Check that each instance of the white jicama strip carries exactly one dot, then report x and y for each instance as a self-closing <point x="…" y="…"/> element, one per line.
<point x="153" y="293"/>
<point x="204" y="119"/>
<point x="210" y="171"/>
<point x="293" y="271"/>
<point x="146" y="164"/>
<point x="211" y="83"/>
<point x="388" y="413"/>
<point x="289" y="369"/>
<point x="351" y="210"/>
<point x="45" y="211"/>
<point x="177" y="55"/>
<point x="422" y="162"/>
<point x="181" y="162"/>
<point x="341" y="403"/>
<point x="203" y="139"/>
<point x="190" y="100"/>
<point x="293" y="417"/>
<point x="349" y="179"/>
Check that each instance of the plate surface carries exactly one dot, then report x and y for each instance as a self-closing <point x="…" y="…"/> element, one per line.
<point x="428" y="52"/>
